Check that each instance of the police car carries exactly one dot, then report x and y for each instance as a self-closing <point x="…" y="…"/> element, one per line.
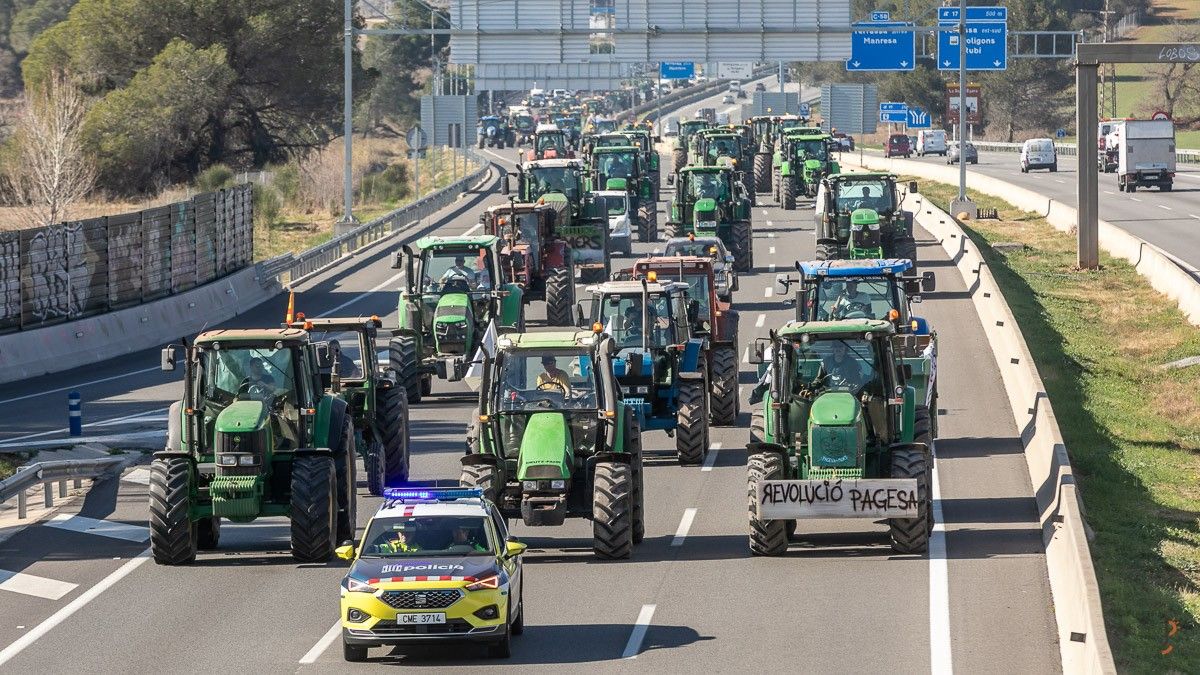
<point x="434" y="565"/>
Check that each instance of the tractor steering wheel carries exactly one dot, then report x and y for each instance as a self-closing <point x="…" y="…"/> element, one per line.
<point x="855" y="310"/>
<point x="255" y="390"/>
<point x="551" y="386"/>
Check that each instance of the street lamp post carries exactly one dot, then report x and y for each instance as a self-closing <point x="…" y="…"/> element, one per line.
<point x="962" y="205"/>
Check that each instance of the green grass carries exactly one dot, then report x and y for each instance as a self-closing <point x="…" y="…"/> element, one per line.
<point x="9" y="464"/>
<point x="1132" y="430"/>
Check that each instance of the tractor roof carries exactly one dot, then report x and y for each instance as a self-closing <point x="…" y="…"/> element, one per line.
<point x="477" y="241"/>
<point x="622" y="287"/>
<point x="806" y="136"/>
<point x="614" y="149"/>
<point x="557" y="163"/>
<point x="291" y="335"/>
<point x="848" y="326"/>
<point x="689" y="263"/>
<point x="855" y="268"/>
<point x="340" y="323"/>
<point x="705" y="169"/>
<point x="864" y="176"/>
<point x="544" y="339"/>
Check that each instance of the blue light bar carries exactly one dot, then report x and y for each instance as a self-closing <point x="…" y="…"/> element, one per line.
<point x="431" y="494"/>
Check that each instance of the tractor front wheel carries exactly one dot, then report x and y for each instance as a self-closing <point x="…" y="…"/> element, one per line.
<point x="743" y="247"/>
<point x="347" y="482"/>
<point x="691" y="423"/>
<point x="678" y="159"/>
<point x="612" y="510"/>
<point x="762" y="173"/>
<point x="314" y="508"/>
<point x="560" y="296"/>
<point x="393" y="408"/>
<point x="827" y="249"/>
<point x="767" y="537"/>
<point x="905" y="247"/>
<point x="723" y="375"/>
<point x="173" y="535"/>
<point x="911" y="535"/>
<point x="788" y="202"/>
<point x="483" y="476"/>
<point x="402" y="357"/>
<point x="373" y="464"/>
<point x="208" y="533"/>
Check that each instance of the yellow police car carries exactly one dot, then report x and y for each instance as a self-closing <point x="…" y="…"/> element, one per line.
<point x="434" y="565"/>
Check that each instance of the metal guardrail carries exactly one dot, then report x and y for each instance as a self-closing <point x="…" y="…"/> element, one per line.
<point x="682" y="97"/>
<point x="1072" y="150"/>
<point x="48" y="473"/>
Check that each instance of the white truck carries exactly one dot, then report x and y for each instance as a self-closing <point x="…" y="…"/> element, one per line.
<point x="1145" y="154"/>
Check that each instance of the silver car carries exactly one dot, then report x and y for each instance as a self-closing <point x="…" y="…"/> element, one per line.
<point x="972" y="154"/>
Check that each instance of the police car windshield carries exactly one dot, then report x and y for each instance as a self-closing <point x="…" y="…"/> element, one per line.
<point x="427" y="536"/>
<point x="853" y="298"/>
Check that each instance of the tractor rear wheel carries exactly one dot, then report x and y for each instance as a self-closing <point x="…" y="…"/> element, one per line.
<point x="634" y="442"/>
<point x="788" y="202"/>
<point x="827" y="249"/>
<point x="723" y="369"/>
<point x="678" y="159"/>
<point x="905" y="247"/>
<point x="612" y="511"/>
<point x="173" y="535"/>
<point x="483" y="476"/>
<point x="767" y="537"/>
<point x="393" y="410"/>
<point x="208" y="533"/>
<point x="347" y="482"/>
<point x="314" y="508"/>
<point x="373" y="465"/>
<point x="762" y="173"/>
<point x="560" y="295"/>
<point x="911" y="535"/>
<point x="648" y="223"/>
<point x="402" y="357"/>
<point x="775" y="185"/>
<point x="691" y="423"/>
<point x="743" y="247"/>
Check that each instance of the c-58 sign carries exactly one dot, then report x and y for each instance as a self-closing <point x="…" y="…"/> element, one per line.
<point x="864" y="498"/>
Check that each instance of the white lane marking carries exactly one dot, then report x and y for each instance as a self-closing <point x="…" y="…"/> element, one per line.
<point x="75" y="605"/>
<point x="360" y="296"/>
<point x="1109" y="192"/>
<point x="38" y="587"/>
<point x="771" y="267"/>
<point x="105" y="422"/>
<point x="764" y="212"/>
<point x="711" y="460"/>
<point x="141" y="476"/>
<point x="1194" y="216"/>
<point x="79" y="385"/>
<point x="768" y="291"/>
<point x="771" y="250"/>
<point x="770" y="223"/>
<point x="471" y="231"/>
<point x="746" y="355"/>
<point x="1164" y="207"/>
<point x="685" y="524"/>
<point x="655" y="251"/>
<point x="939" y="592"/>
<point x="1056" y="180"/>
<point x="327" y="639"/>
<point x="770" y="235"/>
<point x="1135" y="199"/>
<point x="639" y="632"/>
<point x="762" y="319"/>
<point x="104" y="528"/>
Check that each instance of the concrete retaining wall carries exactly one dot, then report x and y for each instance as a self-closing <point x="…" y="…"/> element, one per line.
<point x="1083" y="643"/>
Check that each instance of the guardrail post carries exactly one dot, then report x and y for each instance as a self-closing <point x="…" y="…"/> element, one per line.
<point x="48" y="490"/>
<point x="22" y="504"/>
<point x="78" y="483"/>
<point x="62" y="489"/>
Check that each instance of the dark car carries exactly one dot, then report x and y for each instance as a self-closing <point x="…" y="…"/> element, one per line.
<point x="897" y="146"/>
<point x="760" y="87"/>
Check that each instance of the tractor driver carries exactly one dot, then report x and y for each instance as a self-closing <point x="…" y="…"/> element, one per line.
<point x="346" y="367"/>
<point x="850" y="300"/>
<point x="842" y="371"/>
<point x="708" y="185"/>
<point x="256" y="374"/>
<point x="863" y="200"/>
<point x="632" y="324"/>
<point x="459" y="271"/>
<point x="553" y="377"/>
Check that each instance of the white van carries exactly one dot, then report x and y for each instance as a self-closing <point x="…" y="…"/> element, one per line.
<point x="931" y="142"/>
<point x="1038" y="153"/>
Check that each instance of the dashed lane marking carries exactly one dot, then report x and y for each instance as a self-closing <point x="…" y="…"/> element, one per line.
<point x="38" y="587"/>
<point x="327" y="639"/>
<point x="762" y="319"/>
<point x="1135" y="199"/>
<point x="104" y="528"/>
<point x="771" y="268"/>
<point x="940" y="659"/>
<point x="767" y="292"/>
<point x="1167" y="208"/>
<point x="639" y="632"/>
<point x="771" y="250"/>
<point x="713" y="451"/>
<point x="685" y="524"/>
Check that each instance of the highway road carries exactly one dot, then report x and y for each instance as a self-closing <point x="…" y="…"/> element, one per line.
<point x="87" y="598"/>
<point x="1169" y="220"/>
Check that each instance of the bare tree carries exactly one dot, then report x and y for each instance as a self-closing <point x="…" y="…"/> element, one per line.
<point x="1176" y="90"/>
<point x="50" y="171"/>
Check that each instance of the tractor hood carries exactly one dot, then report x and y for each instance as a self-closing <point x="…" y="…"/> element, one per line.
<point x="545" y="447"/>
<point x="452" y="308"/>
<point x="705" y="210"/>
<point x="242" y="416"/>
<point x="836" y="433"/>
<point x="433" y="569"/>
<point x="812" y="164"/>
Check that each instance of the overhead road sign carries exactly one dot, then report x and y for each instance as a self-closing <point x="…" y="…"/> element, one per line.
<point x="986" y="37"/>
<point x="881" y="16"/>
<point x="881" y="50"/>
<point x="889" y="106"/>
<point x="918" y="119"/>
<point x="893" y="112"/>
<point x="734" y="70"/>
<point x="805" y="110"/>
<point x="677" y="70"/>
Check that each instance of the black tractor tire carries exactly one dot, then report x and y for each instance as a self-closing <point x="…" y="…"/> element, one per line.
<point x="826" y="250"/>
<point x="723" y="377"/>
<point x="483" y="476"/>
<point x="788" y="200"/>
<point x="648" y="223"/>
<point x="905" y="247"/>
<point x="403" y="359"/>
<point x="473" y="432"/>
<point x="208" y="533"/>
<point x="758" y="425"/>
<point x="560" y="296"/>
<point x="347" y="481"/>
<point x="393" y="421"/>
<point x="481" y="141"/>
<point x="314" y="508"/>
<point x="173" y="535"/>
<point x="776" y="182"/>
<point x="634" y="443"/>
<point x="612" y="510"/>
<point x="691" y="423"/>
<point x="767" y="537"/>
<point x="911" y="535"/>
<point x="674" y="229"/>
<point x="426" y="385"/>
<point x="743" y="247"/>
<point x="678" y="159"/>
<point x="353" y="653"/>
<point x="762" y="173"/>
<point x="373" y="462"/>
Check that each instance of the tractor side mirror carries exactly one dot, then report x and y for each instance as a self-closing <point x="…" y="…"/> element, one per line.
<point x="928" y="282"/>
<point x="168" y="358"/>
<point x="782" y="281"/>
<point x="580" y="321"/>
<point x="912" y="187"/>
<point x="757" y="351"/>
<point x="324" y="356"/>
<point x="671" y="179"/>
<point x="397" y="260"/>
<point x="505" y="187"/>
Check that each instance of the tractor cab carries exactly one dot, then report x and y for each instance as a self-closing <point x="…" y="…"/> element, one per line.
<point x="524" y="124"/>
<point x="712" y="248"/>
<point x="705" y="310"/>
<point x="689" y="127"/>
<point x="836" y="290"/>
<point x="604" y="125"/>
<point x="539" y="178"/>
<point x="619" y="167"/>
<point x="709" y="201"/>
<point x="491" y="131"/>
<point x="801" y="159"/>
<point x="551" y="142"/>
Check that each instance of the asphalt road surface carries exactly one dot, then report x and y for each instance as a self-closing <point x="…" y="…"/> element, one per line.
<point x="87" y="598"/>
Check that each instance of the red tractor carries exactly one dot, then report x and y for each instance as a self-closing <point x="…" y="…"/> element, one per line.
<point x="550" y="142"/>
<point x="710" y="317"/>
<point x="539" y="259"/>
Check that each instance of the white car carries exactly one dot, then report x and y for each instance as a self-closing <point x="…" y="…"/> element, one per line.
<point x="620" y="226"/>
<point x="1038" y="153"/>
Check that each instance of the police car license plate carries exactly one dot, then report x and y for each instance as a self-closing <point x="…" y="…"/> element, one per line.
<point x="423" y="618"/>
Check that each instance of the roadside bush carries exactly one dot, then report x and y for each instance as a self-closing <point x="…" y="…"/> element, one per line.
<point x="267" y="205"/>
<point x="389" y="185"/>
<point x="214" y="178"/>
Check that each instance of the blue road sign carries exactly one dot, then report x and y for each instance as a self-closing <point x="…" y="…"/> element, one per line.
<point x="948" y="14"/>
<point x="919" y="119"/>
<point x="677" y="70"/>
<point x="1061" y="133"/>
<point x="881" y="49"/>
<point x="881" y="16"/>
<point x="892" y="107"/>
<point x="805" y="110"/>
<point x="987" y="46"/>
<point x="893" y="112"/>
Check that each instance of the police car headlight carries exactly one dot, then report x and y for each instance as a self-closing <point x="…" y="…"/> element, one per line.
<point x="355" y="586"/>
<point x="486" y="583"/>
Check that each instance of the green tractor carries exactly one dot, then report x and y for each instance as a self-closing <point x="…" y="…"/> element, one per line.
<point x="644" y="139"/>
<point x="721" y="146"/>
<point x="800" y="162"/>
<point x="764" y="149"/>
<point x="679" y="155"/>
<point x="710" y="201"/>
<point x="622" y="168"/>
<point x="456" y="288"/>
<point x="553" y="438"/>
<point x="378" y="406"/>
<point x="859" y="216"/>
<point x="839" y="434"/>
<point x="256" y="434"/>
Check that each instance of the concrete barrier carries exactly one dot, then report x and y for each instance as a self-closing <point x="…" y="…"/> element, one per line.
<point x="1083" y="643"/>
<point x="1166" y="273"/>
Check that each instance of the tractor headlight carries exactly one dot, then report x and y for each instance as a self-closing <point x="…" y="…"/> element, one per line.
<point x="558" y="485"/>
<point x="227" y="460"/>
<point x="529" y="485"/>
<point x="246" y="460"/>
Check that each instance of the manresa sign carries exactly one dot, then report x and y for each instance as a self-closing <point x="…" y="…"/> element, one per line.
<point x="863" y="498"/>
